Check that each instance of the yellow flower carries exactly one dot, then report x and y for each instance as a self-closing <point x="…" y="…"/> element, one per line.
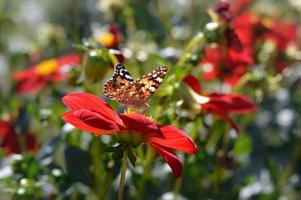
<point x="46" y="67"/>
<point x="106" y="39"/>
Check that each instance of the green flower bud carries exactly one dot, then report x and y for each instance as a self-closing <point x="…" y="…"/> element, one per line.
<point x="96" y="64"/>
<point x="212" y="32"/>
<point x="73" y="78"/>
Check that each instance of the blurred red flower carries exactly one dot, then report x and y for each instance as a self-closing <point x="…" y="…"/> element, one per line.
<point x="274" y="32"/>
<point x="253" y="30"/>
<point x="222" y="8"/>
<point x="38" y="76"/>
<point x="230" y="60"/>
<point x="92" y="114"/>
<point x="211" y="64"/>
<point x="233" y="40"/>
<point x="9" y="140"/>
<point x="222" y="104"/>
<point x="226" y="10"/>
<point x="227" y="68"/>
<point x="244" y="25"/>
<point x="111" y="40"/>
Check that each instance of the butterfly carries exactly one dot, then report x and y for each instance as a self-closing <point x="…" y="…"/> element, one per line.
<point x="133" y="93"/>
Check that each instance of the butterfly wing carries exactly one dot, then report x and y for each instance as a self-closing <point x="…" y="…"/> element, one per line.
<point x="120" y="78"/>
<point x="148" y="84"/>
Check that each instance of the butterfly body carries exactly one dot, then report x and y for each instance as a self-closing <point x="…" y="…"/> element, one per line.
<point x="133" y="93"/>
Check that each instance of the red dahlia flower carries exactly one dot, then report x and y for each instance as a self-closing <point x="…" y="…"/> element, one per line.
<point x="38" y="76"/>
<point x="221" y="104"/>
<point x="223" y="67"/>
<point x="224" y="105"/>
<point x="9" y="140"/>
<point x="234" y="54"/>
<point x="275" y="33"/>
<point x="92" y="114"/>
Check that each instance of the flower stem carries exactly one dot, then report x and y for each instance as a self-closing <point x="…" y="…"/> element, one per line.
<point x="177" y="186"/>
<point x="99" y="170"/>
<point x="122" y="176"/>
<point x="147" y="165"/>
<point x="288" y="170"/>
<point x="130" y="21"/>
<point x="113" y="58"/>
<point x="192" y="43"/>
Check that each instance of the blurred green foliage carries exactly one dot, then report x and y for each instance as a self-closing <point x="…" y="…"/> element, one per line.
<point x="262" y="161"/>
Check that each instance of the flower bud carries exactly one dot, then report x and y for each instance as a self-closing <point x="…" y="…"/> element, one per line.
<point x="96" y="64"/>
<point x="195" y="57"/>
<point x="17" y="163"/>
<point x="212" y="32"/>
<point x="73" y="77"/>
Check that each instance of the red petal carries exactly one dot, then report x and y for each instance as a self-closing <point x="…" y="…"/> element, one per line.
<point x="230" y="103"/>
<point x="175" y="139"/>
<point x="230" y="121"/>
<point x="244" y="26"/>
<point x="29" y="81"/>
<point x="5" y="128"/>
<point x="57" y="76"/>
<point x="32" y="85"/>
<point x="70" y="59"/>
<point x="90" y="121"/>
<point x="139" y="123"/>
<point x="211" y="63"/>
<point x="25" y="74"/>
<point x="31" y="142"/>
<point x="171" y="159"/>
<point x="93" y="103"/>
<point x="244" y="57"/>
<point x="212" y="73"/>
<point x="193" y="83"/>
<point x="233" y="40"/>
<point x="10" y="141"/>
<point x="236" y="73"/>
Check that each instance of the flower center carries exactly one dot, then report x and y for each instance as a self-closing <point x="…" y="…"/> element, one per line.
<point x="106" y="39"/>
<point x="132" y="138"/>
<point x="46" y="67"/>
<point x="268" y="22"/>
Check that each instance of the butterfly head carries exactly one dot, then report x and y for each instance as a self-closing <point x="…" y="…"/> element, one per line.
<point x="121" y="71"/>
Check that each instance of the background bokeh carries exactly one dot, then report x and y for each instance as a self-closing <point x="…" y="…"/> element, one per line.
<point x="42" y="157"/>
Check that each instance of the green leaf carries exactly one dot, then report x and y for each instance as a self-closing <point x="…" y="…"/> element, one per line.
<point x="217" y="131"/>
<point x="274" y="169"/>
<point x="132" y="157"/>
<point x="49" y="147"/>
<point x="243" y="145"/>
<point x="78" y="163"/>
<point x="80" y="47"/>
<point x="118" y="154"/>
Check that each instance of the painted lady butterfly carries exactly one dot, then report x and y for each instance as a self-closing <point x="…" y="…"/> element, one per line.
<point x="133" y="93"/>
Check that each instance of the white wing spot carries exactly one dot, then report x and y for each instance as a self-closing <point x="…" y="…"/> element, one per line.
<point x="159" y="79"/>
<point x="152" y="89"/>
<point x="128" y="77"/>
